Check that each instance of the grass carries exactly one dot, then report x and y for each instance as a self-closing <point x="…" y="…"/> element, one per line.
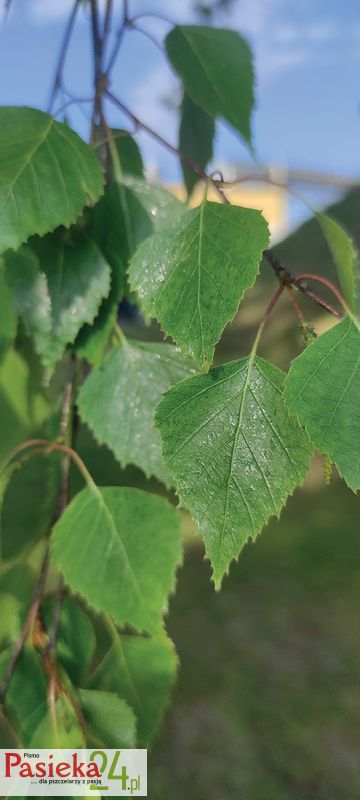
<point x="267" y="705"/>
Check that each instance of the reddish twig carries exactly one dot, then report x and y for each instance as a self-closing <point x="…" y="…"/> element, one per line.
<point x="295" y="304"/>
<point x="52" y="447"/>
<point x="266" y="316"/>
<point x="288" y="279"/>
<point x="310" y="276"/>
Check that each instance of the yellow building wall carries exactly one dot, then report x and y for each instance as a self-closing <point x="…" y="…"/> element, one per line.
<point x="270" y="200"/>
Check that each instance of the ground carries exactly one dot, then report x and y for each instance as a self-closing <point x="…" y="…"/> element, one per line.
<point x="267" y="704"/>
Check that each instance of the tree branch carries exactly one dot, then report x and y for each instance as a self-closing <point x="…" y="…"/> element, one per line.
<point x="107" y="20"/>
<point x="63" y="51"/>
<point x="157" y="136"/>
<point x="310" y="276"/>
<point x="119" y="38"/>
<point x="147" y="35"/>
<point x="288" y="279"/>
<point x="97" y="56"/>
<point x="68" y="432"/>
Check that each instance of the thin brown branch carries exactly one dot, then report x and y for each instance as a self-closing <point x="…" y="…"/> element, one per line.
<point x="107" y="20"/>
<point x="97" y="40"/>
<point x="288" y="279"/>
<point x="100" y="81"/>
<point x="266" y="316"/>
<point x="305" y="289"/>
<point x="276" y="296"/>
<point x="75" y="101"/>
<point x="52" y="447"/>
<point x="97" y="57"/>
<point x="310" y="276"/>
<point x="153" y="15"/>
<point x="157" y="136"/>
<point x="68" y="433"/>
<point x="147" y="35"/>
<point x="293" y="300"/>
<point x="62" y="56"/>
<point x="119" y="37"/>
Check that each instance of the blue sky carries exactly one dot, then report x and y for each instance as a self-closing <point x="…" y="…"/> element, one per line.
<point x="307" y="57"/>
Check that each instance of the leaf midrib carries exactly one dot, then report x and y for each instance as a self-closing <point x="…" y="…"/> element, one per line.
<point x="236" y="437"/>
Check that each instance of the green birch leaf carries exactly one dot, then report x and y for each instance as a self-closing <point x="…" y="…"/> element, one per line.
<point x="10" y="627"/>
<point x="192" y="276"/>
<point x="129" y="153"/>
<point x="161" y="206"/>
<point x="57" y="287"/>
<point x="92" y="340"/>
<point x="47" y="175"/>
<point x="26" y="698"/>
<point x="119" y="224"/>
<point x="196" y="135"/>
<point x="19" y="580"/>
<point x="323" y="388"/>
<point x="75" y="641"/>
<point x="234" y="452"/>
<point x="5" y="478"/>
<point x="216" y="68"/>
<point x="59" y="727"/>
<point x="346" y="259"/>
<point x="23" y="523"/>
<point x="8" y="737"/>
<point x="119" y="548"/>
<point x="27" y="708"/>
<point x="23" y="408"/>
<point x="118" y="401"/>
<point x="8" y="316"/>
<point x="142" y="670"/>
<point x="109" y="720"/>
<point x="16" y="594"/>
